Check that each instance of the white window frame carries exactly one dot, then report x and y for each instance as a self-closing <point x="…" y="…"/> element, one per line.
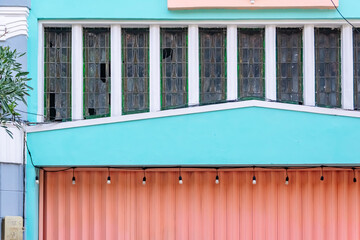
<point x="193" y="59"/>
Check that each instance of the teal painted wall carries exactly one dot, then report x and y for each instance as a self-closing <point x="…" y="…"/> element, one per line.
<point x="239" y="136"/>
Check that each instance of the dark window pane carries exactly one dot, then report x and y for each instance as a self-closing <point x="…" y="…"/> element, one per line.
<point x="356" y="69"/>
<point x="57" y="74"/>
<point x="289" y="65"/>
<point x="97" y="72"/>
<point x="327" y="57"/>
<point x="212" y="65"/>
<point x="251" y="63"/>
<point x="135" y="53"/>
<point x="173" y="67"/>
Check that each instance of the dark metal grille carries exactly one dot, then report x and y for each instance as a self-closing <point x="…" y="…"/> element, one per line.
<point x="327" y="56"/>
<point x="289" y="65"/>
<point x="212" y="65"/>
<point x="97" y="72"/>
<point x="173" y="67"/>
<point x="135" y="70"/>
<point x="251" y="63"/>
<point x="57" y="74"/>
<point x="356" y="70"/>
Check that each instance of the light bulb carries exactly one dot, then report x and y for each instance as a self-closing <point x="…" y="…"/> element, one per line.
<point x="180" y="180"/>
<point x="73" y="180"/>
<point x="354" y="180"/>
<point x="108" y="180"/>
<point x="217" y="181"/>
<point x="287" y="180"/>
<point x="322" y="178"/>
<point x="144" y="180"/>
<point x="254" y="180"/>
<point x="37" y="179"/>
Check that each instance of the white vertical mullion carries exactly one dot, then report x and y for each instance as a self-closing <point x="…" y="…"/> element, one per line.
<point x="193" y="65"/>
<point x="77" y="72"/>
<point x="270" y="62"/>
<point x="347" y="68"/>
<point x="41" y="79"/>
<point x="309" y="65"/>
<point x="116" y="93"/>
<point x="155" y="104"/>
<point x="231" y="48"/>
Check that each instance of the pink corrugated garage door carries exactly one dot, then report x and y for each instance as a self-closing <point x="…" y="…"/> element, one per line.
<point x="199" y="209"/>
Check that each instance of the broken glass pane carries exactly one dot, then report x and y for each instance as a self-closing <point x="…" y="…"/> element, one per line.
<point x="357" y="69"/>
<point x="57" y="104"/>
<point x="251" y="63"/>
<point x="97" y="72"/>
<point x="289" y="65"/>
<point x="135" y="53"/>
<point x="327" y="57"/>
<point x="212" y="65"/>
<point x="173" y="67"/>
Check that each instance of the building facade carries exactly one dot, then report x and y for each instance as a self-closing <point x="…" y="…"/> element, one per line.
<point x="193" y="120"/>
<point x="13" y="33"/>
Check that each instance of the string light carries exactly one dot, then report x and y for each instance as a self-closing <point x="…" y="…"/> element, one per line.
<point x="108" y="178"/>
<point x="37" y="179"/>
<point x="73" y="178"/>
<point x="322" y="174"/>
<point x="180" y="178"/>
<point x="254" y="178"/>
<point x="287" y="177"/>
<point x="217" y="181"/>
<point x="354" y="179"/>
<point x="144" y="178"/>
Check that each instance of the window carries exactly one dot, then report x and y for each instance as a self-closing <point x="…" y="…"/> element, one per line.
<point x="327" y="67"/>
<point x="212" y="65"/>
<point x="251" y="56"/>
<point x="57" y="105"/>
<point x="356" y="70"/>
<point x="289" y="65"/>
<point x="173" y="67"/>
<point x="96" y="72"/>
<point x="135" y="70"/>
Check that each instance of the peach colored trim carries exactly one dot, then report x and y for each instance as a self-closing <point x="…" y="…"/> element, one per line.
<point x="246" y="4"/>
<point x="41" y="205"/>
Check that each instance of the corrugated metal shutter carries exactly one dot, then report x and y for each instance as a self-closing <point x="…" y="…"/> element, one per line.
<point x="199" y="209"/>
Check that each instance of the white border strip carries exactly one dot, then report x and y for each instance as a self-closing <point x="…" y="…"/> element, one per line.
<point x="309" y="65"/>
<point x="270" y="62"/>
<point x="193" y="65"/>
<point x="347" y="68"/>
<point x="255" y="23"/>
<point x="40" y="74"/>
<point x="116" y="93"/>
<point x="77" y="72"/>
<point x="154" y="82"/>
<point x="231" y="50"/>
<point x="193" y="110"/>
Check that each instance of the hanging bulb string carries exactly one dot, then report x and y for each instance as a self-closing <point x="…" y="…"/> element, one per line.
<point x="144" y="178"/>
<point x="354" y="179"/>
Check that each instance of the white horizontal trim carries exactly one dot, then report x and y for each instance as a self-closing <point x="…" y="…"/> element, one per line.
<point x="192" y="110"/>
<point x="200" y="23"/>
<point x="13" y="22"/>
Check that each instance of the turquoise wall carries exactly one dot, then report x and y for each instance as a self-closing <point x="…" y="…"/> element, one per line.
<point x="238" y="136"/>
